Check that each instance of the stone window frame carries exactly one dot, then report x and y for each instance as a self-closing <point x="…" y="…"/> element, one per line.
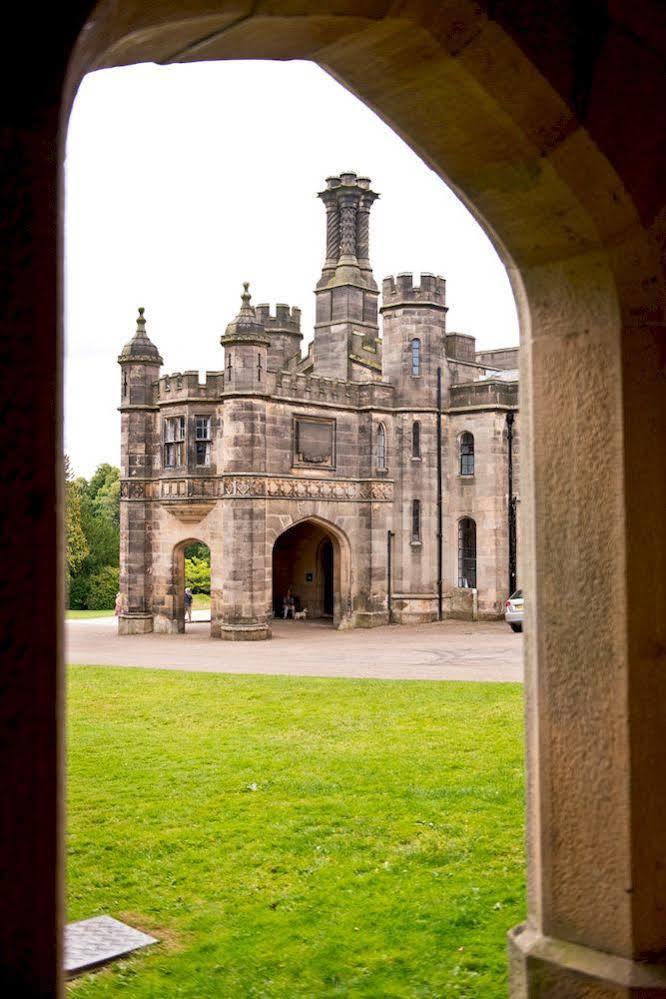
<point x="177" y="445"/>
<point x="417" y="523"/>
<point x="466" y="458"/>
<point x="381" y="463"/>
<point x="416" y="440"/>
<point x="297" y="462"/>
<point x="207" y="440"/>
<point x="415" y="356"/>
<point x="470" y="559"/>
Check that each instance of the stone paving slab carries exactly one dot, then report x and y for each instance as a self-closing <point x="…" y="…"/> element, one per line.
<point x="92" y="942"/>
<point x="448" y="650"/>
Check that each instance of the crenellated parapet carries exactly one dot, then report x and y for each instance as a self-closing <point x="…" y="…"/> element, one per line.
<point x="401" y="290"/>
<point x="284" y="332"/>
<point x="180" y="386"/>
<point x="286" y="319"/>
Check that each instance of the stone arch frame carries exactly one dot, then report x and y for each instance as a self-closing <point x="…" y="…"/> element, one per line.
<point x="178" y="574"/>
<point x="467" y="518"/>
<point x="342" y="564"/>
<point x="514" y="109"/>
<point x="380" y="428"/>
<point x="459" y="454"/>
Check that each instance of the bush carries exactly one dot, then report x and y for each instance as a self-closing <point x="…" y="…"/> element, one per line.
<point x="78" y="592"/>
<point x="197" y="575"/>
<point x="102" y="588"/>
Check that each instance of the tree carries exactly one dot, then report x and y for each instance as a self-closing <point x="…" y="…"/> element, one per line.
<point x="76" y="544"/>
<point x="94" y="573"/>
<point x="197" y="575"/>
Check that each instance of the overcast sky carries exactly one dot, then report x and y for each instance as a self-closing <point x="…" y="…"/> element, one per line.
<point x="184" y="181"/>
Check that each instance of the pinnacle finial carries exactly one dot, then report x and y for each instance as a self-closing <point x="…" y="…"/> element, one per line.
<point x="141" y="322"/>
<point x="246" y="296"/>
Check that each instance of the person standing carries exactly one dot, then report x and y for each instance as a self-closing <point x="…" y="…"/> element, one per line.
<point x="188" y="604"/>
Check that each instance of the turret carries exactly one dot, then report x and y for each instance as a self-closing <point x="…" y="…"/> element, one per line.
<point x="284" y="332"/>
<point x="245" y="345"/>
<point x="414" y="336"/>
<point x="346" y="292"/>
<point x="140" y="363"/>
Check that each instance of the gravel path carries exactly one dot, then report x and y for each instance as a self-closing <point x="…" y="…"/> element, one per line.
<point x="451" y="650"/>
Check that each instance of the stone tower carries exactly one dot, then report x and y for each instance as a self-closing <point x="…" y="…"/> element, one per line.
<point x="245" y="345"/>
<point x="140" y="363"/>
<point x="346" y="292"/>
<point x="414" y="337"/>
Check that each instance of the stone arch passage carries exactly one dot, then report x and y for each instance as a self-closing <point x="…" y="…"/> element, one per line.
<point x="310" y="559"/>
<point x="511" y="103"/>
<point x="182" y="551"/>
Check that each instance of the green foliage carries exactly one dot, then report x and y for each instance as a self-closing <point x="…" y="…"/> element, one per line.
<point x="76" y="544"/>
<point x="297" y="837"/>
<point x="102" y="588"/>
<point x="198" y="550"/>
<point x="197" y="574"/>
<point x="99" y="522"/>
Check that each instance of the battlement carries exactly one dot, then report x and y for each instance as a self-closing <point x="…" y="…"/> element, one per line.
<point x="401" y="290"/>
<point x="186" y="385"/>
<point x="311" y="388"/>
<point x="285" y="320"/>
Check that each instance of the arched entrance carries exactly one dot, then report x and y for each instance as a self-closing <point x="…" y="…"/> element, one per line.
<point x="308" y="561"/>
<point x="191" y="571"/>
<point x="512" y="103"/>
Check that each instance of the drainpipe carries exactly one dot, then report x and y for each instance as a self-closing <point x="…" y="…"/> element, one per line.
<point x="389" y="572"/>
<point x="511" y="507"/>
<point x="440" y="531"/>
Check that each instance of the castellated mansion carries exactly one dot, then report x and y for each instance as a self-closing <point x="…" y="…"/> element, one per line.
<point x="375" y="477"/>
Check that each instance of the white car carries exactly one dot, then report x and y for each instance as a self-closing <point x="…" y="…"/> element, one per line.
<point x="513" y="613"/>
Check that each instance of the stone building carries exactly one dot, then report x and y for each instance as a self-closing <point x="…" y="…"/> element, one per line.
<point x="375" y="476"/>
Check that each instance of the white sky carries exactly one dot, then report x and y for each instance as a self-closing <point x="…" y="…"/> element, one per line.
<point x="184" y="181"/>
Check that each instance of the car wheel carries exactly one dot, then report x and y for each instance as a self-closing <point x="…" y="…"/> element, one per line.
<point x="516" y="627"/>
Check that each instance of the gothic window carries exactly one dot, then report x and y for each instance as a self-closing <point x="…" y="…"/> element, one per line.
<point x="416" y="439"/>
<point x="416" y="520"/>
<point x="381" y="447"/>
<point x="467" y="453"/>
<point x="174" y="441"/>
<point x="416" y="357"/>
<point x="229" y="364"/>
<point x="202" y="439"/>
<point x="258" y="367"/>
<point x="124" y="383"/>
<point x="467" y="552"/>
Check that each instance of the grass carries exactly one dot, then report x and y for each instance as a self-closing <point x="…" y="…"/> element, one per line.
<point x="297" y="837"/>
<point x="201" y="601"/>
<point x="74" y="615"/>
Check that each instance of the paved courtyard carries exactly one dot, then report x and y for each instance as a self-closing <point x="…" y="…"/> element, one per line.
<point x="451" y="650"/>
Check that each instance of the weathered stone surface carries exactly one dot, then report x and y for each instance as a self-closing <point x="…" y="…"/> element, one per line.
<point x="308" y="441"/>
<point x="92" y="942"/>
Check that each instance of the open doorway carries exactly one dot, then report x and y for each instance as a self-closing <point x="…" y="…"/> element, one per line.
<point x="191" y="583"/>
<point x="304" y="569"/>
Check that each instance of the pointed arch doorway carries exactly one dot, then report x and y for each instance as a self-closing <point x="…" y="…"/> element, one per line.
<point x="310" y="561"/>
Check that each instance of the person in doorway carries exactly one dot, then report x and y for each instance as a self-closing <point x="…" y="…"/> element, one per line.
<point x="288" y="605"/>
<point x="188" y="603"/>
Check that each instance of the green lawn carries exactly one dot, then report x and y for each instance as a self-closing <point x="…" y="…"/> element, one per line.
<point x="201" y="601"/>
<point x="73" y="615"/>
<point x="297" y="837"/>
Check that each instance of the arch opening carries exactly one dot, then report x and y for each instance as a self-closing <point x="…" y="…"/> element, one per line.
<point x="307" y="573"/>
<point x="191" y="585"/>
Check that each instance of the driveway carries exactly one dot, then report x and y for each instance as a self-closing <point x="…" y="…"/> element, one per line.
<point x="450" y="650"/>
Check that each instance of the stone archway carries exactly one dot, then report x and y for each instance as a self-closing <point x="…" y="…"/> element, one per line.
<point x="178" y="581"/>
<point x="548" y="120"/>
<point x="312" y="558"/>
